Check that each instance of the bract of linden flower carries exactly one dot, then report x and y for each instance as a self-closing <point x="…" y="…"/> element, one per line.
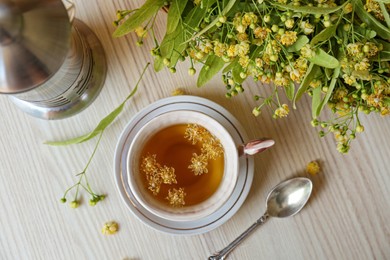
<point x="176" y="197"/>
<point x="199" y="164"/>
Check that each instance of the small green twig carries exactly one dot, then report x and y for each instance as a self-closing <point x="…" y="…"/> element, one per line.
<point x="99" y="130"/>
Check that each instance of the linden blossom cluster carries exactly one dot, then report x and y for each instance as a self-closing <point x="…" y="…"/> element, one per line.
<point x="338" y="52"/>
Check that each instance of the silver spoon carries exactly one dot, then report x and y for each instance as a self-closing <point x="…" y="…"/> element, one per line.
<point x="284" y="200"/>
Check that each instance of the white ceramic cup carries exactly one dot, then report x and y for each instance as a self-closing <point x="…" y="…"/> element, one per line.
<point x="229" y="179"/>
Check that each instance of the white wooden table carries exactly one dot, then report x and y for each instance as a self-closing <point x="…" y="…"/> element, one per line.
<point x="346" y="218"/>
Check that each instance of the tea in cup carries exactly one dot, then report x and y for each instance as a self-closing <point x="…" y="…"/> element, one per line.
<point x="183" y="165"/>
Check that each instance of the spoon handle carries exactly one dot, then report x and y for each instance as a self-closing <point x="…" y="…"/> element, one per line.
<point x="220" y="255"/>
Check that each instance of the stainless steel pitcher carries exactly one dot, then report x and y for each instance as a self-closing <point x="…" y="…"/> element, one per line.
<point x="51" y="65"/>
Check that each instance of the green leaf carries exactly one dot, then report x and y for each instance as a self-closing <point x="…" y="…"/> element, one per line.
<point x="212" y="66"/>
<point x="103" y="124"/>
<point x="381" y="30"/>
<point x="316" y="101"/>
<point x="290" y="90"/>
<point x="146" y="11"/>
<point x="301" y="41"/>
<point x="383" y="1"/>
<point x="309" y="9"/>
<point x="309" y="76"/>
<point x="331" y="87"/>
<point x="324" y="35"/>
<point x="324" y="60"/>
<point x="174" y="14"/>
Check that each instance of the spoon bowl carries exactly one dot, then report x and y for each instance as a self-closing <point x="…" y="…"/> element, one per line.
<point x="288" y="197"/>
<point x="284" y="200"/>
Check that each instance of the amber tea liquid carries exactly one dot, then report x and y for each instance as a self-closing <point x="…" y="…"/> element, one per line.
<point x="173" y="150"/>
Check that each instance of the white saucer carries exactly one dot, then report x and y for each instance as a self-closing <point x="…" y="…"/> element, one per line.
<point x="246" y="165"/>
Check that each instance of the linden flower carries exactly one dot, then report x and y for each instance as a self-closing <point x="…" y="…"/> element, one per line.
<point x="156" y="174"/>
<point x="178" y="92"/>
<point x="313" y="168"/>
<point x="249" y="18"/>
<point x="307" y="51"/>
<point x="199" y="164"/>
<point x="213" y="150"/>
<point x="149" y="163"/>
<point x="307" y="27"/>
<point x="243" y="48"/>
<point x="194" y="133"/>
<point x="110" y="228"/>
<point x="176" y="197"/>
<point x="370" y="48"/>
<point x="288" y="38"/>
<point x="154" y="182"/>
<point x="141" y="32"/>
<point x="167" y="175"/>
<point x="261" y="33"/>
<point x="363" y="65"/>
<point x="282" y="111"/>
<point x="354" y="49"/>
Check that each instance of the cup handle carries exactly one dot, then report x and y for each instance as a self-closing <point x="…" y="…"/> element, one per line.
<point x="256" y="146"/>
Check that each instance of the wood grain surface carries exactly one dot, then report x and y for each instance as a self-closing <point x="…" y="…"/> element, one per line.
<point x="346" y="218"/>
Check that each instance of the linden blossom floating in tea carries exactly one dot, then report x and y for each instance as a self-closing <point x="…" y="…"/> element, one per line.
<point x="182" y="162"/>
